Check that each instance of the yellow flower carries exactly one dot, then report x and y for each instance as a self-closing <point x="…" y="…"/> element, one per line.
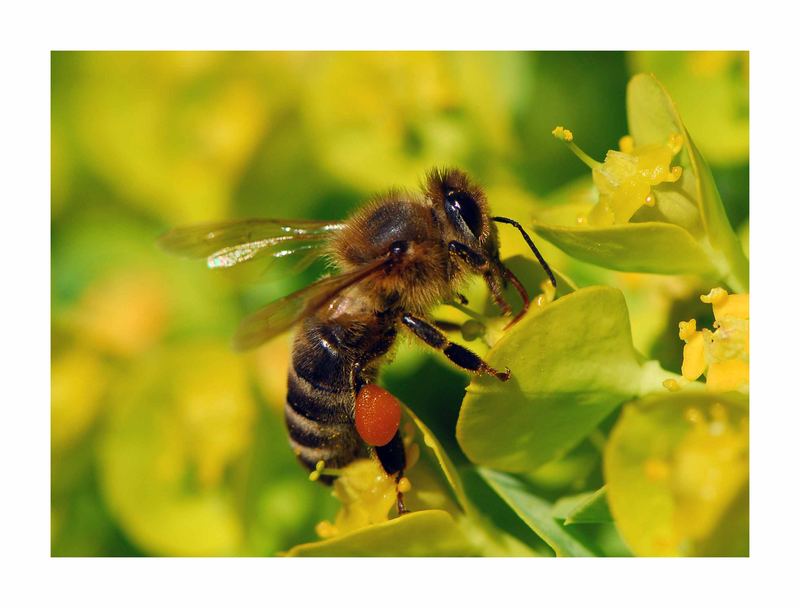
<point x="366" y="492"/>
<point x="723" y="355"/>
<point x="709" y="470"/>
<point x="626" y="178"/>
<point x="214" y="413"/>
<point x="123" y="314"/>
<point x="78" y="381"/>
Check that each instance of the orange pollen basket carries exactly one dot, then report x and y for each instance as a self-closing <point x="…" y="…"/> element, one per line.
<point x="377" y="415"/>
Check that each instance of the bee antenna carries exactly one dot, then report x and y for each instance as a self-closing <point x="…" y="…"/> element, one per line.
<point x="505" y="220"/>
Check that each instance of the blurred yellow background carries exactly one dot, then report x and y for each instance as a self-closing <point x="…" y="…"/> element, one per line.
<point x="165" y="442"/>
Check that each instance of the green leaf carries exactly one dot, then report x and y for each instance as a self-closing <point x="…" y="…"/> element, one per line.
<point x="655" y="247"/>
<point x="652" y="119"/>
<point x="586" y="508"/>
<point x="733" y="265"/>
<point x="697" y="237"/>
<point x="537" y="513"/>
<point x="719" y="117"/>
<point x="419" y="534"/>
<point x="572" y="363"/>
<point x="496" y="528"/>
<point x="449" y="471"/>
<point x="677" y="474"/>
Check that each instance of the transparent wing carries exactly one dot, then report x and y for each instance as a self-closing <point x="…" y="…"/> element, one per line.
<point x="225" y="244"/>
<point x="278" y="316"/>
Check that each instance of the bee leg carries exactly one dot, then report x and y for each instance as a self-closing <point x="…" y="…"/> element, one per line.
<point x="392" y="457"/>
<point x="479" y="263"/>
<point x="356" y="380"/>
<point x="455" y="352"/>
<point x="361" y="373"/>
<point x="497" y="293"/>
<point x="447" y="325"/>
<point x="401" y="505"/>
<point x="526" y="302"/>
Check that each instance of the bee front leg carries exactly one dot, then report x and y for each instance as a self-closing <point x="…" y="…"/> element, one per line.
<point x="459" y="355"/>
<point x="480" y="264"/>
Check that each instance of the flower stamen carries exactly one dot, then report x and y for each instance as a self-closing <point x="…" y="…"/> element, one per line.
<point x="566" y="136"/>
<point x="320" y="470"/>
<point x="627" y="177"/>
<point x="723" y="355"/>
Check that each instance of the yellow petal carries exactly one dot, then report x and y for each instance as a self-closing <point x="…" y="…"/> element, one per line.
<point x="687" y="329"/>
<point x="694" y="359"/>
<point x="626" y="176"/>
<point x="736" y="305"/>
<point x="78" y="380"/>
<point x="627" y="198"/>
<point x="728" y="305"/>
<point x="601" y="215"/>
<point x="729" y="375"/>
<point x="367" y="495"/>
<point x="123" y="314"/>
<point x="653" y="164"/>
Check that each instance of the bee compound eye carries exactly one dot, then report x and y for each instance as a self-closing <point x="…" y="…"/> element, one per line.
<point x="461" y="204"/>
<point x="377" y="415"/>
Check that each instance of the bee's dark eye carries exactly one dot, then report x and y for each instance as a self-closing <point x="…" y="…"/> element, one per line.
<point x="459" y="204"/>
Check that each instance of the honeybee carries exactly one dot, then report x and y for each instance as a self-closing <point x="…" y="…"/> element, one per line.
<point x="398" y="256"/>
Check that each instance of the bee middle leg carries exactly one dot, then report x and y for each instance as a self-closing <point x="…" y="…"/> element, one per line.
<point x="459" y="355"/>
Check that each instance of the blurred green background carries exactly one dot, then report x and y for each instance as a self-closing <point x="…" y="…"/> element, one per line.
<point x="165" y="442"/>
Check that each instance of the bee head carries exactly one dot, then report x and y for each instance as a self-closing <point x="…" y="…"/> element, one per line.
<point x="463" y="212"/>
<point x="462" y="209"/>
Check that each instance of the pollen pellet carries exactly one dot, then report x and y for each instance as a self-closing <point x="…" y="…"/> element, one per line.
<point x="377" y="415"/>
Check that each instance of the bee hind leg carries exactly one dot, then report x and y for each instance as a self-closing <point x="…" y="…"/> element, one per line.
<point x="401" y="505"/>
<point x="392" y="457"/>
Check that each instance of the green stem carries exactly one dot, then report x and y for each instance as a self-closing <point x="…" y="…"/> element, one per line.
<point x="587" y="160"/>
<point x="733" y="268"/>
<point x="653" y="377"/>
<point x="739" y="277"/>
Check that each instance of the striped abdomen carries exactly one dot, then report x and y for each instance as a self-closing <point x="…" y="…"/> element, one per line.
<point x="321" y="394"/>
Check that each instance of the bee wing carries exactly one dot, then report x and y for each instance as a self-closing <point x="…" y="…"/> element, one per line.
<point x="225" y="244"/>
<point x="278" y="316"/>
